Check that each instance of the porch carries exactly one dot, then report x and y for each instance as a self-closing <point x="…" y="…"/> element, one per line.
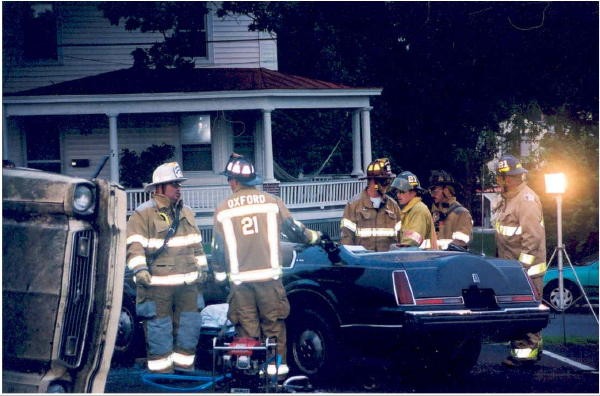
<point x="319" y="204"/>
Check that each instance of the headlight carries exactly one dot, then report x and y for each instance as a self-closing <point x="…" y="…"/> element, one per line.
<point x="83" y="199"/>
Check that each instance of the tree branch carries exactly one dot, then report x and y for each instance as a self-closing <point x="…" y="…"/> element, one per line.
<point x="531" y="27"/>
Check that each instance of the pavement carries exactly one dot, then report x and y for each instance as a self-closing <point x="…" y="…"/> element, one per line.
<point x="578" y="325"/>
<point x="572" y="337"/>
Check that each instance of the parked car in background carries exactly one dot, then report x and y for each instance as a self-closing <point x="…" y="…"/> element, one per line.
<point x="426" y="310"/>
<point x="584" y="274"/>
<point x="63" y="263"/>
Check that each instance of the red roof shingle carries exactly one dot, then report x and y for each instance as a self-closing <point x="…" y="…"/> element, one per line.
<point x="133" y="81"/>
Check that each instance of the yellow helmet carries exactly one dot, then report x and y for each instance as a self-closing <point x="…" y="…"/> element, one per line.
<point x="380" y="169"/>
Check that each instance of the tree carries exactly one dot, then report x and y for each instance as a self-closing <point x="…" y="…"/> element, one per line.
<point x="180" y="23"/>
<point x="135" y="170"/>
<point x="451" y="73"/>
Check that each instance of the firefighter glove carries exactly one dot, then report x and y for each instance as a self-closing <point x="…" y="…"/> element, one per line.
<point x="202" y="276"/>
<point x="143" y="278"/>
<point x="332" y="250"/>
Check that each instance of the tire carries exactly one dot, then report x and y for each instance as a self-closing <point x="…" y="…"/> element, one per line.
<point x="129" y="336"/>
<point x="312" y="344"/>
<point x="552" y="295"/>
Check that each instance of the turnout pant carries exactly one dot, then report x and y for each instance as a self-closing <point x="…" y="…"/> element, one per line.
<point x="258" y="310"/>
<point x="172" y="324"/>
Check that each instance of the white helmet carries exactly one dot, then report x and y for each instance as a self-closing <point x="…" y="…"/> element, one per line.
<point x="165" y="173"/>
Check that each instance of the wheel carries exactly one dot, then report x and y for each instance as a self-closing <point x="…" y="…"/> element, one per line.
<point x="128" y="336"/>
<point x="312" y="344"/>
<point x="552" y="295"/>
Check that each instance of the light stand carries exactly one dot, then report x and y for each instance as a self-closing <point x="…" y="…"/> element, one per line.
<point x="556" y="183"/>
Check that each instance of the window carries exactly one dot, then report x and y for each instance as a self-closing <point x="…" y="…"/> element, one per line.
<point x="192" y="34"/>
<point x="43" y="144"/>
<point x="196" y="143"/>
<point x="40" y="33"/>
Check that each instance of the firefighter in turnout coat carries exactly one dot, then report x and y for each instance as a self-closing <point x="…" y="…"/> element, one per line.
<point x="246" y="248"/>
<point x="417" y="229"/>
<point x="372" y="219"/>
<point x="453" y="222"/>
<point x="164" y="251"/>
<point x="520" y="235"/>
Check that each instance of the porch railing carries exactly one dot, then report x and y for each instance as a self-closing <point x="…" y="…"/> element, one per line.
<point x="301" y="195"/>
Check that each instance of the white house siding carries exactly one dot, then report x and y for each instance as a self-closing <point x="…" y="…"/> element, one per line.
<point x="137" y="133"/>
<point x="268" y="51"/>
<point x="81" y="29"/>
<point x="91" y="45"/>
<point x="235" y="46"/>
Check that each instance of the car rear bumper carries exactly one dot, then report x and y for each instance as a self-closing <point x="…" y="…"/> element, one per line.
<point x="508" y="320"/>
<point x="492" y="326"/>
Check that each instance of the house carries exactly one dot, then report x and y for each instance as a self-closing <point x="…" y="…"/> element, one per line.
<point x="71" y="96"/>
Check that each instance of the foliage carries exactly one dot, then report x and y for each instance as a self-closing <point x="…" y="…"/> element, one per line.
<point x="449" y="70"/>
<point x="461" y="82"/>
<point x="137" y="169"/>
<point x="572" y="148"/>
<point x="313" y="136"/>
<point x="177" y="21"/>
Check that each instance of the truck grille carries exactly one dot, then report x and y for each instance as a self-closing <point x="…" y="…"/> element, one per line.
<point x="79" y="299"/>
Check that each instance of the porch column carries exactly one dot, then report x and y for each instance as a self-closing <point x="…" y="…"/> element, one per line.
<point x="114" y="147"/>
<point x="366" y="135"/>
<point x="356" y="168"/>
<point x="269" y="176"/>
<point x="4" y="136"/>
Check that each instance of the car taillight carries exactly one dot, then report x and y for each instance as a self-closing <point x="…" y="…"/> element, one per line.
<point x="440" y="301"/>
<point x="402" y="289"/>
<point x="517" y="298"/>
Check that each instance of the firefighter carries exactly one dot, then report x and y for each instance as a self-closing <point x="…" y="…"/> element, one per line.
<point x="520" y="235"/>
<point x="417" y="224"/>
<point x="371" y="218"/>
<point x="246" y="248"/>
<point x="164" y="251"/>
<point x="453" y="222"/>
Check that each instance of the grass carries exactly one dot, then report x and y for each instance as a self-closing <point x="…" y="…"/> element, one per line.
<point x="588" y="340"/>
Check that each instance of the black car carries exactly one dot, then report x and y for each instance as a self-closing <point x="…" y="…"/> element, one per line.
<point x="430" y="309"/>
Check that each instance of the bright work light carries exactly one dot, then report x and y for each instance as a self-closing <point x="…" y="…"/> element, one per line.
<point x="556" y="183"/>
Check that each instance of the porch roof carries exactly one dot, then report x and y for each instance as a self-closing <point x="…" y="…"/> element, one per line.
<point x="137" y="81"/>
<point x="160" y="91"/>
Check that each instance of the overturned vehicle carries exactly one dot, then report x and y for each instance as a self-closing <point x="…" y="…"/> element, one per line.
<point x="63" y="264"/>
<point x="424" y="310"/>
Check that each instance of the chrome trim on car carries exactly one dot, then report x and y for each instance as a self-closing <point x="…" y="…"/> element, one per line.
<point x="79" y="299"/>
<point x="540" y="307"/>
<point x="372" y="325"/>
